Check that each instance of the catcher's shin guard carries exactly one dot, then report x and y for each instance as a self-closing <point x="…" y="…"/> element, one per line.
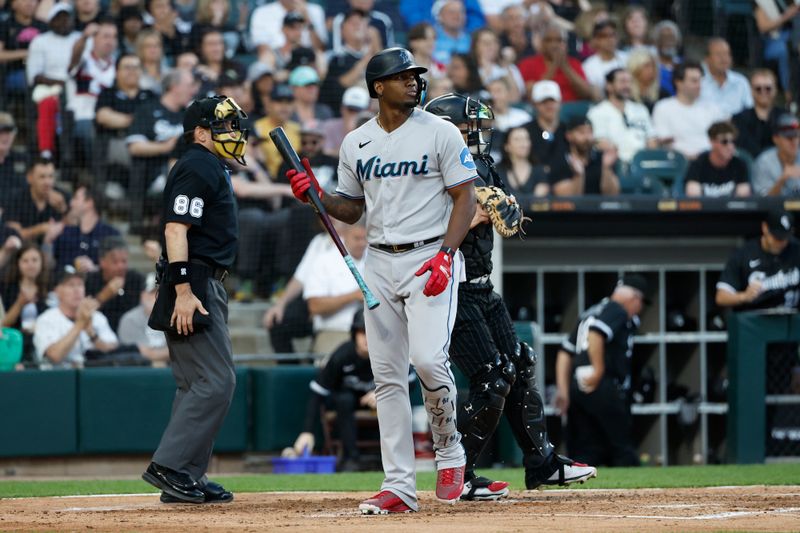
<point x="479" y="415"/>
<point x="525" y="410"/>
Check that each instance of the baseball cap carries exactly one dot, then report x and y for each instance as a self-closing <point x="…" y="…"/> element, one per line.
<point x="66" y="274"/>
<point x="60" y="7"/>
<point x="293" y="17"/>
<point x="7" y="122"/>
<point x="780" y="223"/>
<point x="545" y="90"/>
<point x="356" y="98"/>
<point x="281" y="91"/>
<point x="257" y="70"/>
<point x="638" y="282"/>
<point x="302" y="76"/>
<point x="600" y="25"/>
<point x="200" y="112"/>
<point x="787" y="125"/>
<point x="578" y="121"/>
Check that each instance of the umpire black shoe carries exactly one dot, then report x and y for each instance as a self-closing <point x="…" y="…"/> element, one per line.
<point x="212" y="492"/>
<point x="177" y="484"/>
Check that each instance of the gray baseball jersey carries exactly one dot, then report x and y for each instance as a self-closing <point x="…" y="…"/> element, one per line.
<point x="403" y="177"/>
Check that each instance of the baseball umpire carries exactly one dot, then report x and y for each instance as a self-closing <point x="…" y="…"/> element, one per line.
<point x="501" y="370"/>
<point x="200" y="237"/>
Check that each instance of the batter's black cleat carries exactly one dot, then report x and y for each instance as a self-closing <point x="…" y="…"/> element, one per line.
<point x="480" y="488"/>
<point x="213" y="492"/>
<point x="561" y="471"/>
<point x="177" y="484"/>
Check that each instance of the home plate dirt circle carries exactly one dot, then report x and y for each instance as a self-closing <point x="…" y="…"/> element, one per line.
<point x="754" y="508"/>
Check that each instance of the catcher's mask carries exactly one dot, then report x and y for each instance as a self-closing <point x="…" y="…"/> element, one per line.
<point x="223" y="116"/>
<point x="460" y="109"/>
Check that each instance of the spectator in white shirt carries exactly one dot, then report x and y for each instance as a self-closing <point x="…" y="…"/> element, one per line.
<point x="63" y="334"/>
<point x="47" y="70"/>
<point x="681" y="122"/>
<point x="267" y="20"/>
<point x="91" y="70"/>
<point x="620" y="122"/>
<point x="728" y="90"/>
<point x="606" y="58"/>
<point x="332" y="293"/>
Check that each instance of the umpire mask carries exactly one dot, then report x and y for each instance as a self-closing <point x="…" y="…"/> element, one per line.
<point x="230" y="140"/>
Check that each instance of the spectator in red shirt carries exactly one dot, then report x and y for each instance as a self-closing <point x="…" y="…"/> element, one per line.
<point x="554" y="64"/>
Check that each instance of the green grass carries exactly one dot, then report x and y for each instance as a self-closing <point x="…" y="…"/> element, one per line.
<point x="615" y="478"/>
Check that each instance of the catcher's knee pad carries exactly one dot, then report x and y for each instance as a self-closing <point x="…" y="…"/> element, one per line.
<point x="525" y="407"/>
<point x="480" y="414"/>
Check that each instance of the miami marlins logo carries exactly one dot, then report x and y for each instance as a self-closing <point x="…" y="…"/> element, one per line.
<point x="373" y="168"/>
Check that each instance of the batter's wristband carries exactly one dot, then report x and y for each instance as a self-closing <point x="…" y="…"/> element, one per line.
<point x="179" y="272"/>
<point x="449" y="251"/>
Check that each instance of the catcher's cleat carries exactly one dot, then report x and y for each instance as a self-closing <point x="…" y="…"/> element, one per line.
<point x="384" y="502"/>
<point x="567" y="472"/>
<point x="483" y="489"/>
<point x="450" y="484"/>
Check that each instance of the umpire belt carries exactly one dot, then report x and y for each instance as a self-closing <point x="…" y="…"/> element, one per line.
<point x="400" y="248"/>
<point x="218" y="273"/>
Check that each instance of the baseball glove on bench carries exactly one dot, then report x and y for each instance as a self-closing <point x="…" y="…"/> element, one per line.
<point x="504" y="211"/>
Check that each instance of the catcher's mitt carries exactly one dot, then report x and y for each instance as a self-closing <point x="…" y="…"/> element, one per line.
<point x="504" y="211"/>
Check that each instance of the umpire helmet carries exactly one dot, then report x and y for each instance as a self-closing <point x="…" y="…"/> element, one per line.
<point x="393" y="61"/>
<point x="460" y="109"/>
<point x="223" y="116"/>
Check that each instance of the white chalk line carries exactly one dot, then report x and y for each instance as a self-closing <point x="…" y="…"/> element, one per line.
<point x="714" y="516"/>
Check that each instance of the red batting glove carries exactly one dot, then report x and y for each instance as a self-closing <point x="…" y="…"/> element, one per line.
<point x="301" y="182"/>
<point x="441" y="267"/>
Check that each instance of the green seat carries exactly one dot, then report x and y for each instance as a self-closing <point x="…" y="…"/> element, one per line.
<point x="572" y="110"/>
<point x="10" y="348"/>
<point x="659" y="172"/>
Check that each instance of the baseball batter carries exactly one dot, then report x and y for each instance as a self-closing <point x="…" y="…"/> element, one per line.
<point x="413" y="173"/>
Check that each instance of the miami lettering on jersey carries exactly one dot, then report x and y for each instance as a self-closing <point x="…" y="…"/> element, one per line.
<point x="372" y="168"/>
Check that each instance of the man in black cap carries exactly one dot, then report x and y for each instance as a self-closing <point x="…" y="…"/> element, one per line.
<point x="593" y="375"/>
<point x="200" y="238"/>
<point x="584" y="169"/>
<point x="764" y="273"/>
<point x="776" y="172"/>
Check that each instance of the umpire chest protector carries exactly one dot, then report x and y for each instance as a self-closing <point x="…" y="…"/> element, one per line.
<point x="478" y="244"/>
<point x="199" y="193"/>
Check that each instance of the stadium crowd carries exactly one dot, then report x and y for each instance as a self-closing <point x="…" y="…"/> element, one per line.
<point x="93" y="94"/>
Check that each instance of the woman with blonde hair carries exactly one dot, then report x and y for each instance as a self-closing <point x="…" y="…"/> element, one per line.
<point x="150" y="49"/>
<point x="646" y="88"/>
<point x="215" y="14"/>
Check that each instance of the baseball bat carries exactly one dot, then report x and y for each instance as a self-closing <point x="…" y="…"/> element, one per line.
<point x="291" y="158"/>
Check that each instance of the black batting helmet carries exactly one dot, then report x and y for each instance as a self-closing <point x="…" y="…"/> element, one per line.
<point x="392" y="61"/>
<point x="460" y="109"/>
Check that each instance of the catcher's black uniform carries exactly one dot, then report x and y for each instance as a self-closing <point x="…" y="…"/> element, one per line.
<point x="500" y="369"/>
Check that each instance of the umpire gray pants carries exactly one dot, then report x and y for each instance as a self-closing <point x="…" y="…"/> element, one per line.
<point x="202" y="364"/>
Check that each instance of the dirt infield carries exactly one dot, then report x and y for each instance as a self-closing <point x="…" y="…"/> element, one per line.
<point x="755" y="508"/>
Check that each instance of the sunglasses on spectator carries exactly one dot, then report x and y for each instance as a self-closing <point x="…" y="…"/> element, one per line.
<point x="763" y="88"/>
<point x="726" y="140"/>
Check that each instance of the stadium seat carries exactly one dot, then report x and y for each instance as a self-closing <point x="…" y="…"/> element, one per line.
<point x="658" y="172"/>
<point x="571" y="110"/>
<point x="745" y="156"/>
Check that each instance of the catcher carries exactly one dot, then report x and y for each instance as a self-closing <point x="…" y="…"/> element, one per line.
<point x="501" y="370"/>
